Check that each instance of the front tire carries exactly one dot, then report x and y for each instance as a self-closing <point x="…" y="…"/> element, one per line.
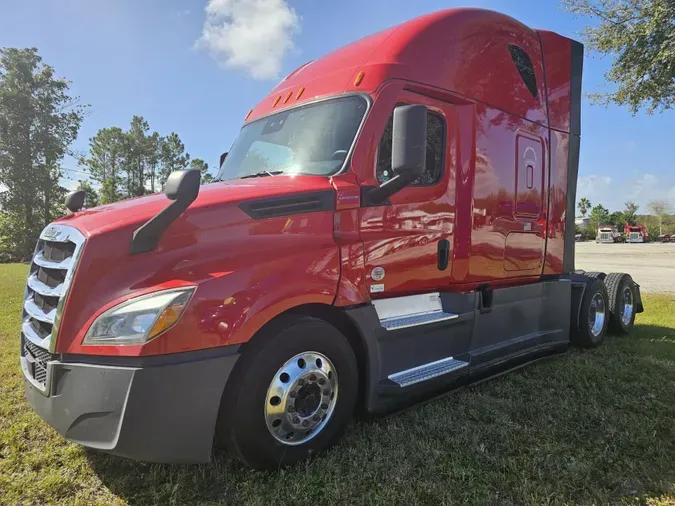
<point x="291" y="395"/>
<point x="593" y="315"/>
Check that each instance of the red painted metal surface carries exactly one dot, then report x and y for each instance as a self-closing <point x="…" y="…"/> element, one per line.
<point x="247" y="271"/>
<point x="500" y="201"/>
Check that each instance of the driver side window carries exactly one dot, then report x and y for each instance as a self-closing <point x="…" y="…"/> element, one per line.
<point x="435" y="147"/>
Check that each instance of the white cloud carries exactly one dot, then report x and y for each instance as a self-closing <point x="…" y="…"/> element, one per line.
<point x="249" y="35"/>
<point x="644" y="188"/>
<point x="593" y="186"/>
<point x="613" y="194"/>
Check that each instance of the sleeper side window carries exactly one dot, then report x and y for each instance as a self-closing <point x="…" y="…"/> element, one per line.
<point x="525" y="69"/>
<point x="435" y="148"/>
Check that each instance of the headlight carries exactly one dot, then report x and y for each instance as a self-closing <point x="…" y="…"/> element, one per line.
<point x="139" y="320"/>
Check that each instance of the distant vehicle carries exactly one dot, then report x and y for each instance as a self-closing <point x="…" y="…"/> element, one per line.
<point x="636" y="233"/>
<point x="608" y="234"/>
<point x="578" y="237"/>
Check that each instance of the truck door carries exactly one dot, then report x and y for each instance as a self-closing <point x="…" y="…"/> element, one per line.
<point x="525" y="243"/>
<point x="408" y="240"/>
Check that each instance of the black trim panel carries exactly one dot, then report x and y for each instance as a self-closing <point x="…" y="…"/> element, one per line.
<point x="298" y="203"/>
<point x="153" y="360"/>
<point x="576" y="65"/>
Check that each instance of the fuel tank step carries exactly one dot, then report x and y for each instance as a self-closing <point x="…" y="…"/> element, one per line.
<point x="411" y="311"/>
<point x="405" y="321"/>
<point x="427" y="371"/>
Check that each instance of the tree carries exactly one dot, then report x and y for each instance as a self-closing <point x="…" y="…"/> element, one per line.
<point x="91" y="197"/>
<point x="172" y="156"/>
<point x="659" y="208"/>
<point x="153" y="161"/>
<point x="105" y="162"/>
<point x="584" y="205"/>
<point x="629" y="213"/>
<point x="639" y="35"/>
<point x="39" y="119"/>
<point x="136" y="156"/>
<point x="599" y="216"/>
<point x="618" y="219"/>
<point x="203" y="167"/>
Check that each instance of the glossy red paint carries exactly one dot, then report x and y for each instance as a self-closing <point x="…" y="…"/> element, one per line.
<point x="500" y="201"/>
<point x="241" y="266"/>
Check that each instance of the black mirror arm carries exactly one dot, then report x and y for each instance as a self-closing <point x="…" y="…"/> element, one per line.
<point x="379" y="194"/>
<point x="182" y="188"/>
<point x="146" y="237"/>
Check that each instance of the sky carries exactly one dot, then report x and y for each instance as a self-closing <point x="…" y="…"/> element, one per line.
<point x="197" y="66"/>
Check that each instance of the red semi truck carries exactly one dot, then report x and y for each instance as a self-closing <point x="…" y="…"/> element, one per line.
<point x="338" y="264"/>
<point x="636" y="233"/>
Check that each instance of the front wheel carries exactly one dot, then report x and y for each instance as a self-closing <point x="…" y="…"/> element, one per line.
<point x="292" y="394"/>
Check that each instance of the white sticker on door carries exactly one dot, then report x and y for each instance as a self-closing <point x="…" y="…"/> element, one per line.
<point x="377" y="274"/>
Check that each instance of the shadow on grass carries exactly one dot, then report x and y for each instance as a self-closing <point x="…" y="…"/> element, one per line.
<point x="594" y="426"/>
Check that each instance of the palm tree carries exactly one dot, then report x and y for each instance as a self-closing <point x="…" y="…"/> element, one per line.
<point x="584" y="205"/>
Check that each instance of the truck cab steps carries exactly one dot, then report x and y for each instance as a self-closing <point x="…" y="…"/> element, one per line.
<point x="405" y="321"/>
<point x="404" y="312"/>
<point x="427" y="371"/>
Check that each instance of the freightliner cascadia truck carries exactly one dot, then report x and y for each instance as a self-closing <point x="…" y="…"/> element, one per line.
<point x="394" y="221"/>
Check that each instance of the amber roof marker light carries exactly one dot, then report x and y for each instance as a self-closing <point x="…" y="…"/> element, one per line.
<point x="300" y="92"/>
<point x="359" y="78"/>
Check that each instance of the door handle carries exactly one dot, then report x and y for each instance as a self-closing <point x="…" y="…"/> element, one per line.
<point x="443" y="254"/>
<point x="529" y="177"/>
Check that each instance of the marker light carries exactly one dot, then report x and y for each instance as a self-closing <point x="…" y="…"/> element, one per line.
<point x="139" y="320"/>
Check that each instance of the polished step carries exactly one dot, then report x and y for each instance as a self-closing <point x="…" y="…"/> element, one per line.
<point x="405" y="321"/>
<point x="427" y="371"/>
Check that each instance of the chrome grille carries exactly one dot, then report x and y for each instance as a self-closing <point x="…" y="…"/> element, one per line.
<point x="36" y="360"/>
<point x="50" y="275"/>
<point x="605" y="235"/>
<point x="635" y="236"/>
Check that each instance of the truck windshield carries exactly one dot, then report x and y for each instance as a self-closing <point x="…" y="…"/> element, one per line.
<point x="312" y="139"/>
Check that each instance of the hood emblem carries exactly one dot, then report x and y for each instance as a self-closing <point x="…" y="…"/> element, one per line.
<point x="52" y="233"/>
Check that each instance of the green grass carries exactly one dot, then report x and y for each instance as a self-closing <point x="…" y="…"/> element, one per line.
<point x="591" y="427"/>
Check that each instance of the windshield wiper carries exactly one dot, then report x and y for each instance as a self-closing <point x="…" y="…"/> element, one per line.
<point x="263" y="174"/>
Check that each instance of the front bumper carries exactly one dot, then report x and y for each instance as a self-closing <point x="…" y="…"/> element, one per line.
<point x="160" y="409"/>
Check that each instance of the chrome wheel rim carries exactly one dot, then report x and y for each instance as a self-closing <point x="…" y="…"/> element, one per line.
<point x="627" y="300"/>
<point x="596" y="315"/>
<point x="301" y="398"/>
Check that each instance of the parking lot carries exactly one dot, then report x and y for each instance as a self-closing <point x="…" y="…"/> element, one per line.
<point x="652" y="265"/>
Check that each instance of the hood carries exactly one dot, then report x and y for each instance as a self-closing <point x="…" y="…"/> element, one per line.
<point x="138" y="210"/>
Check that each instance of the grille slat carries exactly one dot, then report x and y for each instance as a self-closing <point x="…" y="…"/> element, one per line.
<point x="58" y="251"/>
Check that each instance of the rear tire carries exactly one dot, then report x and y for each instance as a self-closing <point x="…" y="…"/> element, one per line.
<point x="593" y="316"/>
<point x="282" y="403"/>
<point x="622" y="302"/>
